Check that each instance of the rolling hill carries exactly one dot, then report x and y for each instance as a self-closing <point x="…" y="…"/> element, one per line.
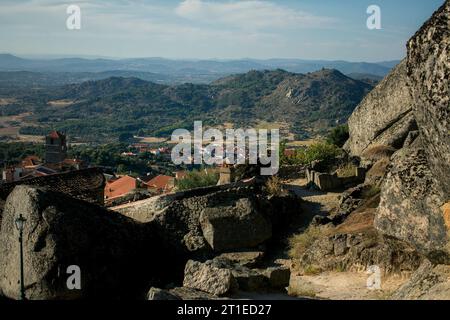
<point x="115" y="107"/>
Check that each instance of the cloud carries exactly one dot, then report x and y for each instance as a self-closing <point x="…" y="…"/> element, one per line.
<point x="249" y="14"/>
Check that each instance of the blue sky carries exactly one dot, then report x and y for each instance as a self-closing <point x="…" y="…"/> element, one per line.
<point x="220" y="29"/>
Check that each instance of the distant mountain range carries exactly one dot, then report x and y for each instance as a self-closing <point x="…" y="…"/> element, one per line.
<point x="75" y="70"/>
<point x="111" y="108"/>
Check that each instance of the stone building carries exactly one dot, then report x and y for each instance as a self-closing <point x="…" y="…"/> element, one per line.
<point x="55" y="147"/>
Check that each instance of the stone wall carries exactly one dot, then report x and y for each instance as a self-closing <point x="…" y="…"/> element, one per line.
<point x="292" y="172"/>
<point x="144" y="210"/>
<point x="327" y="181"/>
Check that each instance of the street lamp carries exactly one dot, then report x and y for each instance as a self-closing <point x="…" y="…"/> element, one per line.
<point x="20" y="223"/>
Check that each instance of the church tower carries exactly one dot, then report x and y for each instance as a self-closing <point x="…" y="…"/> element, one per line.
<point x="55" y="147"/>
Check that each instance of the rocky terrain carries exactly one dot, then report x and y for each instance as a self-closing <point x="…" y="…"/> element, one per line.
<point x="400" y="133"/>
<point x="240" y="239"/>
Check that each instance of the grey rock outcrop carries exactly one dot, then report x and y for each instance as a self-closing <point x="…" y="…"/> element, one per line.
<point x="411" y="106"/>
<point x="111" y="250"/>
<point x="208" y="278"/>
<point x="160" y="294"/>
<point x="238" y="225"/>
<point x="429" y="282"/>
<point x="410" y="203"/>
<point x="429" y="78"/>
<point x="384" y="116"/>
<point x="417" y="184"/>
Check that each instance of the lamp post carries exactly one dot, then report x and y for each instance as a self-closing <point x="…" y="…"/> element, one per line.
<point x="20" y="222"/>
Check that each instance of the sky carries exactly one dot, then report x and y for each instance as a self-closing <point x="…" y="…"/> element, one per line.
<point x="213" y="29"/>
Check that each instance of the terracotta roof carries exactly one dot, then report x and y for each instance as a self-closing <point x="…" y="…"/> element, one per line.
<point x="161" y="182"/>
<point x="289" y="152"/>
<point x="55" y="134"/>
<point x="81" y="184"/>
<point x="72" y="161"/>
<point x="30" y="161"/>
<point x="120" y="187"/>
<point x="180" y="174"/>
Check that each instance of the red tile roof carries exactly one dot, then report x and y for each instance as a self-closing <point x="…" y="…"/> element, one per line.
<point x="55" y="134"/>
<point x="289" y="152"/>
<point x="120" y="187"/>
<point x="30" y="161"/>
<point x="180" y="174"/>
<point x="161" y="182"/>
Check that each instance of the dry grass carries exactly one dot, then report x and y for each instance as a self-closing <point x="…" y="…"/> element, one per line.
<point x="274" y="186"/>
<point x="346" y="170"/>
<point x="302" y="292"/>
<point x="378" y="170"/>
<point x="357" y="222"/>
<point x="60" y="103"/>
<point x="378" y="152"/>
<point x="302" y="143"/>
<point x="151" y="140"/>
<point x="6" y="101"/>
<point x="311" y="270"/>
<point x="299" y="243"/>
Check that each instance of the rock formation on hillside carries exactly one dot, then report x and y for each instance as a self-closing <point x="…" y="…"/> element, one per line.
<point x="384" y="116"/>
<point x="410" y="111"/>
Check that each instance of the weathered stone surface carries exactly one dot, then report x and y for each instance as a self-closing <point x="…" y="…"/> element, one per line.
<point x="238" y="225"/>
<point x="446" y="214"/>
<point x="249" y="279"/>
<point x="111" y="250"/>
<point x="346" y="251"/>
<point x="278" y="277"/>
<point x="428" y="67"/>
<point x="192" y="294"/>
<point x="410" y="204"/>
<point x="384" y="115"/>
<point x="246" y="259"/>
<point x="429" y="282"/>
<point x="181" y="293"/>
<point x="160" y="294"/>
<point x="208" y="278"/>
<point x="416" y="185"/>
<point x="377" y="172"/>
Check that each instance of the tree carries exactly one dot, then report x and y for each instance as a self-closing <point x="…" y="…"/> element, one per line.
<point x="338" y="135"/>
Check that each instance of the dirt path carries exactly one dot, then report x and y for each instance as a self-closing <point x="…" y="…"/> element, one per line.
<point x="315" y="202"/>
<point x="342" y="286"/>
<point x="331" y="285"/>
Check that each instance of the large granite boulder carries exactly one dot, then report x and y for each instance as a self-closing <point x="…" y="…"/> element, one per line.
<point x="209" y="278"/>
<point x="429" y="282"/>
<point x="429" y="77"/>
<point x="417" y="184"/>
<point x="410" y="204"/>
<point x="113" y="252"/>
<point x="384" y="117"/>
<point x="236" y="225"/>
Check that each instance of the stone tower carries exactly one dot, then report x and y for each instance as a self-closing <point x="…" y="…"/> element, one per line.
<point x="55" y="147"/>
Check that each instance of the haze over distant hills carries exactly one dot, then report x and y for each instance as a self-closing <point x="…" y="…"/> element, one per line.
<point x="164" y="70"/>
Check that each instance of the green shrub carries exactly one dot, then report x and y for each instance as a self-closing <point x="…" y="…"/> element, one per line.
<point x="197" y="179"/>
<point x="338" y="135"/>
<point x="321" y="151"/>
